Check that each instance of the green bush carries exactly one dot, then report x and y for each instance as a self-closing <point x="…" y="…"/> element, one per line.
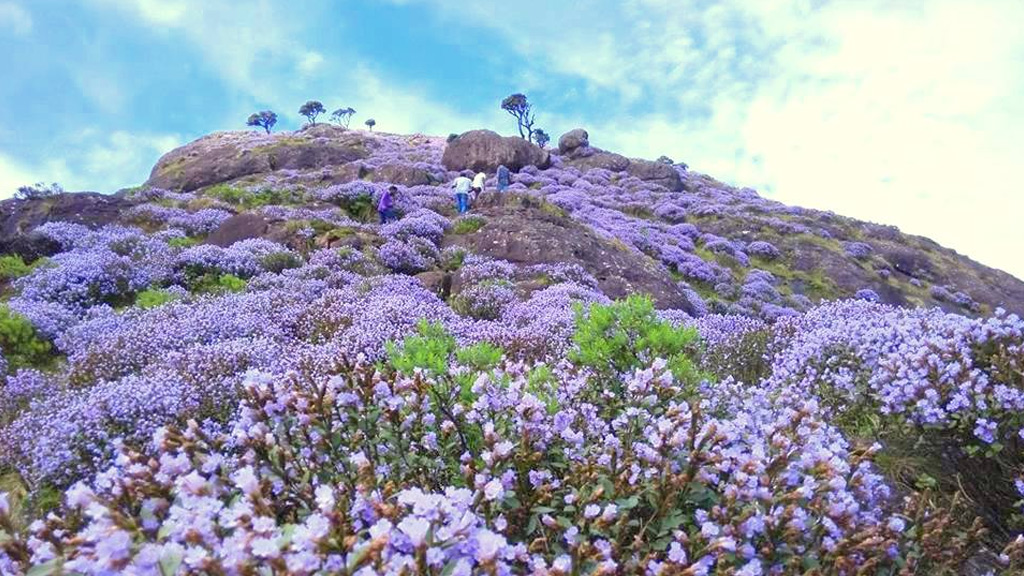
<point x="361" y="208"/>
<point x="468" y="224"/>
<point x="619" y="338"/>
<point x="217" y="284"/>
<point x="182" y="242"/>
<point x="429" y="349"/>
<point x="481" y="356"/>
<point x="452" y="259"/>
<point x="12" y="266"/>
<point x="153" y="297"/>
<point x="543" y="384"/>
<point x="250" y="199"/>
<point x="278" y="262"/>
<point x="21" y="346"/>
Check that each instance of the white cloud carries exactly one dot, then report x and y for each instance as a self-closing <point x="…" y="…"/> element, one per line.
<point x="237" y="42"/>
<point x="97" y="161"/>
<point x="15" y="18"/>
<point x="403" y="108"/>
<point x="310" y="62"/>
<point x="14" y="174"/>
<point x="162" y="12"/>
<point x="121" y="156"/>
<point x="904" y="113"/>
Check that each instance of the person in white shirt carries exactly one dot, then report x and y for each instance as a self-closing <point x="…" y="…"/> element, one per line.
<point x="478" y="184"/>
<point x="462" y="186"/>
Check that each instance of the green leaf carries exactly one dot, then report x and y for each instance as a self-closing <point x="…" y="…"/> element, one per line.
<point x="46" y="569"/>
<point x="449" y="568"/>
<point x="628" y="503"/>
<point x="170" y="562"/>
<point x="661" y="544"/>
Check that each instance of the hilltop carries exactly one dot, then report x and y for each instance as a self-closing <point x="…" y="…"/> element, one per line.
<point x="646" y="226"/>
<point x="616" y="366"/>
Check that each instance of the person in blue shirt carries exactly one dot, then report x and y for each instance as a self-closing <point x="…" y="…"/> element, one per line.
<point x="504" y="178"/>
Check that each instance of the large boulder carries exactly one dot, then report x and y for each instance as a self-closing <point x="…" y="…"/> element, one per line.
<point x="599" y="159"/>
<point x="403" y="174"/>
<point x="656" y="172"/>
<point x="484" y="151"/>
<point x="224" y="156"/>
<point x="573" y="140"/>
<point x="239" y="227"/>
<point x="18" y="218"/>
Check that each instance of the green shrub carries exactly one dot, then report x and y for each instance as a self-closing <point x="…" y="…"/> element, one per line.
<point x="217" y="284"/>
<point x="480" y="356"/>
<point x="429" y="349"/>
<point x="250" y="199"/>
<point x="153" y="297"/>
<point x="468" y="225"/>
<point x="452" y="259"/>
<point x="278" y="262"/>
<point x="21" y="346"/>
<point x="543" y="384"/>
<point x="182" y="242"/>
<point x="361" y="208"/>
<point x="12" y="266"/>
<point x="621" y="337"/>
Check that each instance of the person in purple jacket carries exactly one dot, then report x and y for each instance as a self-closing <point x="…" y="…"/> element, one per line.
<point x="386" y="206"/>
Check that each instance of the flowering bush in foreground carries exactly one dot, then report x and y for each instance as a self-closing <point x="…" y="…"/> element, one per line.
<point x="954" y="382"/>
<point x="458" y="461"/>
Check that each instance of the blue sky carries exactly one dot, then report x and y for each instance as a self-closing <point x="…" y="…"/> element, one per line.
<point x="908" y="113"/>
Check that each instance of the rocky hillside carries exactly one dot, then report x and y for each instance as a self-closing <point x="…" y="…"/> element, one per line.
<point x="617" y="366"/>
<point x="687" y="239"/>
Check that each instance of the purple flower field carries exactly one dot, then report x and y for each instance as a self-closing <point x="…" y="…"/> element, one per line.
<point x="335" y="396"/>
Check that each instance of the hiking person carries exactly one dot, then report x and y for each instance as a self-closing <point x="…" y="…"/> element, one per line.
<point x="478" y="184"/>
<point x="386" y="206"/>
<point x="504" y="178"/>
<point x="462" y="187"/>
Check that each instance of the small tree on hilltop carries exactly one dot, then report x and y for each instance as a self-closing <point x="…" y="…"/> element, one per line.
<point x="39" y="190"/>
<point x="264" y="119"/>
<point x="520" y="109"/>
<point x="371" y="123"/>
<point x="541" y="137"/>
<point x="342" y="116"/>
<point x="666" y="160"/>
<point x="311" y="110"/>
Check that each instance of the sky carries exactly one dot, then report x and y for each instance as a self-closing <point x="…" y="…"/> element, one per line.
<point x="907" y="113"/>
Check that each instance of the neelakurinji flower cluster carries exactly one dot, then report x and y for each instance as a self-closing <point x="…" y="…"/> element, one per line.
<point x="485" y="470"/>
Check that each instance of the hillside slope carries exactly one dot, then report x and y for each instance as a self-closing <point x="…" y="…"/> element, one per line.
<point x="236" y="366"/>
<point x="682" y="226"/>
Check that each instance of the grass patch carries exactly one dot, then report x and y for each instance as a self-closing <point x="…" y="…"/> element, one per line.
<point x="153" y="297"/>
<point x="218" y="284"/>
<point x="22" y="347"/>
<point x="183" y="242"/>
<point x="468" y="225"/>
<point x="830" y="244"/>
<point x="815" y="284"/>
<point x="12" y="266"/>
<point x="639" y="211"/>
<point x="722" y="259"/>
<point x="175" y="168"/>
<point x="250" y="199"/>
